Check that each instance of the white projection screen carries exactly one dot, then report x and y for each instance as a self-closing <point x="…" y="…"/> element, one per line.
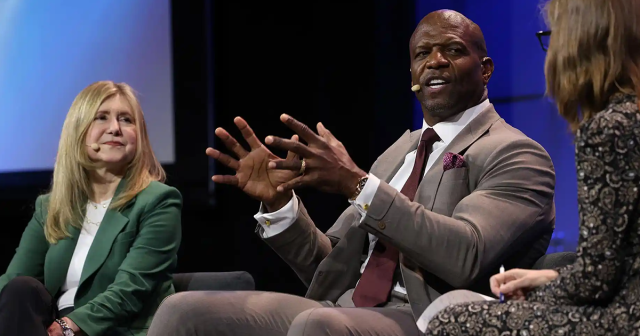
<point x="51" y="50"/>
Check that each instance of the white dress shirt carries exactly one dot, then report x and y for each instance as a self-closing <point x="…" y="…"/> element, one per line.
<point x="278" y="221"/>
<point x="94" y="215"/>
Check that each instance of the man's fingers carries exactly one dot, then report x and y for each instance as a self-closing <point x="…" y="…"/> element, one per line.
<point x="324" y="132"/>
<point x="247" y="133"/>
<point x="328" y="136"/>
<point x="291" y="155"/>
<point x="226" y="179"/>
<point x="294" y="165"/>
<point x="230" y="142"/>
<point x="295" y="183"/>
<point x="289" y="145"/>
<point x="223" y="158"/>
<point x="301" y="129"/>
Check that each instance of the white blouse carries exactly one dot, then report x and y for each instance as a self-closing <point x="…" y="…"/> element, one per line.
<point x="93" y="218"/>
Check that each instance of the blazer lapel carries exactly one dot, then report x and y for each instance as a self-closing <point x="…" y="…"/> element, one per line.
<point x="428" y="188"/>
<point x="57" y="261"/>
<point x="112" y="223"/>
<point x="340" y="271"/>
<point x="390" y="162"/>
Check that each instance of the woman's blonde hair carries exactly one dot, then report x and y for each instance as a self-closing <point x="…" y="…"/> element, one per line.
<point x="594" y="52"/>
<point x="71" y="186"/>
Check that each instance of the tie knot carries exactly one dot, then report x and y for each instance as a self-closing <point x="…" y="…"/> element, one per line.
<point x="429" y="136"/>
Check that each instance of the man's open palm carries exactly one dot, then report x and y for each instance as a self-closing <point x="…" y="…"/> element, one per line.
<point x="252" y="175"/>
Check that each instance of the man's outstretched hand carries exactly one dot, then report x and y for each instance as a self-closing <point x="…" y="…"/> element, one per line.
<point x="328" y="166"/>
<point x="252" y="175"/>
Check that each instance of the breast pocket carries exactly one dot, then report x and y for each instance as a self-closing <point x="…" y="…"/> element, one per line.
<point x="454" y="186"/>
<point x="455" y="174"/>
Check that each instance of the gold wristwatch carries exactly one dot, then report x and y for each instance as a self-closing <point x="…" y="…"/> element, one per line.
<point x="359" y="187"/>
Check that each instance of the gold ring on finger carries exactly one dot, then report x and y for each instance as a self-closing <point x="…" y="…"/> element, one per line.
<point x="302" y="167"/>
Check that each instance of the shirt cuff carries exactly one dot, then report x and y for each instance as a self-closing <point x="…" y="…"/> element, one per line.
<point x="443" y="302"/>
<point x="365" y="198"/>
<point x="275" y="222"/>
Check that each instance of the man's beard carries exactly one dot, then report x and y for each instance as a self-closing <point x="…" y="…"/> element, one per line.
<point x="439" y="109"/>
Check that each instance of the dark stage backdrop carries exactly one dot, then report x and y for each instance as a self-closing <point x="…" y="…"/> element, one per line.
<point x="344" y="63"/>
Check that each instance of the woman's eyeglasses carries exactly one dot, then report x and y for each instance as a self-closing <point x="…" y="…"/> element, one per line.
<point x="543" y="37"/>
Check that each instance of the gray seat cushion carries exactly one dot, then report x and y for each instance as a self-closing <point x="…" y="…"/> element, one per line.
<point x="555" y="260"/>
<point x="213" y="281"/>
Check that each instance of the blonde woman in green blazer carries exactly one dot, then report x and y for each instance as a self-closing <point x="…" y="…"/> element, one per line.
<point x="98" y="255"/>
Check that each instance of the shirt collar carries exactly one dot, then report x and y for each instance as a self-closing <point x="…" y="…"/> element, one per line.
<point x="449" y="129"/>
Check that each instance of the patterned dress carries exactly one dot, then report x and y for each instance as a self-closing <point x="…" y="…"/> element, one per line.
<point x="600" y="293"/>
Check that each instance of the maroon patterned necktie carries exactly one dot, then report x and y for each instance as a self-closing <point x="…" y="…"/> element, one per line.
<point x="377" y="279"/>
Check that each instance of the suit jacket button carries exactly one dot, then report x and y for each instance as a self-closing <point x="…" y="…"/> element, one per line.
<point x="321" y="273"/>
<point x="382" y="225"/>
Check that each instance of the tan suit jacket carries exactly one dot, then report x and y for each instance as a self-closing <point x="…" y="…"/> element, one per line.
<point x="461" y="226"/>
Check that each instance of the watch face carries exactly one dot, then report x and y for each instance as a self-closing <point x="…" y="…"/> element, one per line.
<point x="68" y="332"/>
<point x="363" y="182"/>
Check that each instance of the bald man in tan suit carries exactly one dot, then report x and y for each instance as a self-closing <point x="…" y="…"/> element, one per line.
<point x="440" y="210"/>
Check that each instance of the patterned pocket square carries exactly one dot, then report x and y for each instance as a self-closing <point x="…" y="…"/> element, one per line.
<point x="452" y="160"/>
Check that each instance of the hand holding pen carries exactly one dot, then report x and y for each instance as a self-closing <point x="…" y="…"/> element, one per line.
<point x="514" y="284"/>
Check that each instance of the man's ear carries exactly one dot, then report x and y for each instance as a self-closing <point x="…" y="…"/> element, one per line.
<point x="487" y="69"/>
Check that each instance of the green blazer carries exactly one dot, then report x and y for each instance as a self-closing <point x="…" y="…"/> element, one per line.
<point x="128" y="271"/>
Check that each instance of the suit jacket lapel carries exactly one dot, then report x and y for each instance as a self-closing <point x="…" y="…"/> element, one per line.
<point x="111" y="225"/>
<point x="392" y="159"/>
<point x="344" y="258"/>
<point x="428" y="188"/>
<point x="421" y="295"/>
<point x="57" y="261"/>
